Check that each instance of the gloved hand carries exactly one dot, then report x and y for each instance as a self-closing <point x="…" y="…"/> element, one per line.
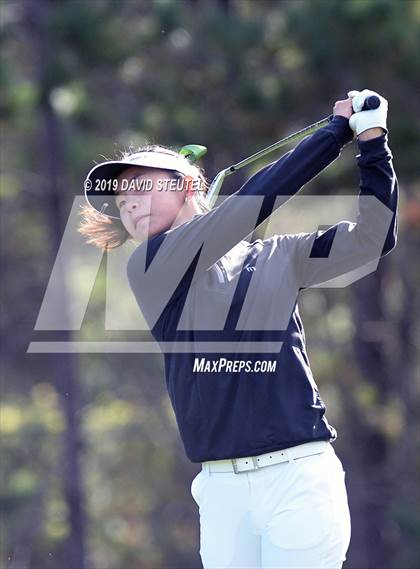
<point x="363" y="120"/>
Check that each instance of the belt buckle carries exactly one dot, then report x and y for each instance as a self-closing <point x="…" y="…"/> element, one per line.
<point x="235" y="466"/>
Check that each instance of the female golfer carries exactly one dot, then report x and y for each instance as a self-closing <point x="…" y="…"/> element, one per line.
<point x="271" y="491"/>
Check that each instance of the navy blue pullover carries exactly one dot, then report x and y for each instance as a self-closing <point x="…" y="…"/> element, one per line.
<point x="203" y="284"/>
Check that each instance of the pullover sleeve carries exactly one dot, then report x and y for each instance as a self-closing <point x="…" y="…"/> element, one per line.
<point x="171" y="260"/>
<point x="347" y="246"/>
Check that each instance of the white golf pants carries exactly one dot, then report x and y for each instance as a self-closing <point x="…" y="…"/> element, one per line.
<point x="289" y="515"/>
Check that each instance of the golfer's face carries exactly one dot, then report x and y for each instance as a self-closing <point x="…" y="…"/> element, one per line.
<point x="148" y="200"/>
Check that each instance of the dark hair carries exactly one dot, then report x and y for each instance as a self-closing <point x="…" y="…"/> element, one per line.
<point x="109" y="233"/>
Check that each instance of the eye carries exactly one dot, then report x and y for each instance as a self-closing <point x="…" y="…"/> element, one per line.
<point x="120" y="204"/>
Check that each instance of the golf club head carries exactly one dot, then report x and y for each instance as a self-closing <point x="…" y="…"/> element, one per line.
<point x="193" y="152"/>
<point x="215" y="187"/>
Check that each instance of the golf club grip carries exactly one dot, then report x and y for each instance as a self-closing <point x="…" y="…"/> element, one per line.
<point x="371" y="103"/>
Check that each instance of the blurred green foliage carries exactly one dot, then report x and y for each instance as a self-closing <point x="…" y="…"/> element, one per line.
<point x="235" y="76"/>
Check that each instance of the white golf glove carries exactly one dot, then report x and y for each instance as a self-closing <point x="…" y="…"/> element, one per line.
<point x="362" y="120"/>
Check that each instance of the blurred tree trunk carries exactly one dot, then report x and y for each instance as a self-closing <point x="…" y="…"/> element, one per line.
<point x="64" y="366"/>
<point x="369" y="482"/>
<point x="404" y="377"/>
<point x="378" y="439"/>
<point x="225" y="5"/>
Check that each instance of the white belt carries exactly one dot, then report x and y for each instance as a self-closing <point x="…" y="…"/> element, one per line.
<point x="244" y="464"/>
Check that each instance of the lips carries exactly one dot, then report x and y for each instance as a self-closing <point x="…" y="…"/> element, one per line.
<point x="138" y="218"/>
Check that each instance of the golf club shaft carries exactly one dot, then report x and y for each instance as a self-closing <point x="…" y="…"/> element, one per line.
<point x="217" y="182"/>
<point x="290" y="138"/>
<point x="371" y="103"/>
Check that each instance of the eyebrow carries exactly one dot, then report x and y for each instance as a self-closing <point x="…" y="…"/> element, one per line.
<point x="134" y="177"/>
<point x="130" y="180"/>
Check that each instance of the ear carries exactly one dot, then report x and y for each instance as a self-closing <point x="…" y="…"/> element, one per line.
<point x="188" y="188"/>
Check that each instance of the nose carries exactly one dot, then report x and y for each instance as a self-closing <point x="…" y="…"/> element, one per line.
<point x="134" y="208"/>
<point x="132" y="204"/>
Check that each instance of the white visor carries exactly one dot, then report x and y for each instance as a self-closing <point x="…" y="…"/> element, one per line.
<point x="99" y="190"/>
